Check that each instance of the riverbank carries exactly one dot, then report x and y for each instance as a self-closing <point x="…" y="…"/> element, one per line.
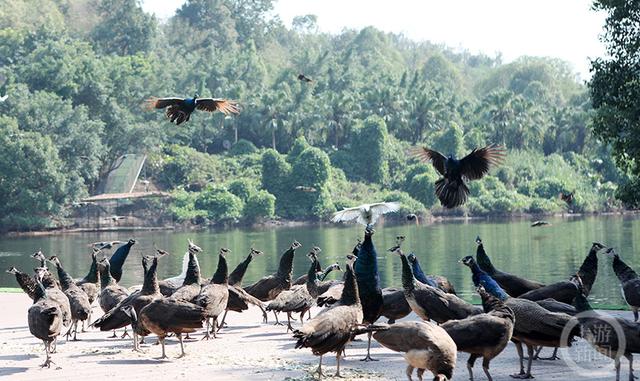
<point x="247" y="350"/>
<point x="283" y="223"/>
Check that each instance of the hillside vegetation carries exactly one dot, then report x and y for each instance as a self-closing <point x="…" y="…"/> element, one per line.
<point x="78" y="71"/>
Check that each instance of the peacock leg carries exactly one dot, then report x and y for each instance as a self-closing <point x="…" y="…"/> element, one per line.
<point x="470" y="362"/>
<point x="289" y="327"/>
<point x="66" y="335"/>
<point x="368" y="357"/>
<point x="47" y="362"/>
<point x="630" y="358"/>
<point x="485" y="367"/>
<point x="302" y="317"/>
<point x="54" y="345"/>
<point x="207" y="336"/>
<point x="338" y="364"/>
<point x="125" y="334"/>
<point x="521" y="356"/>
<point x="114" y="335"/>
<point x="319" y="369"/>
<point x="554" y="356"/>
<point x="309" y="318"/>
<point x="161" y="340"/>
<point x="75" y="331"/>
<point x="277" y="321"/>
<point x="617" y="365"/>
<point x="420" y="372"/>
<point x="214" y="326"/>
<point x="223" y="318"/>
<point x="182" y="354"/>
<point x="409" y="372"/>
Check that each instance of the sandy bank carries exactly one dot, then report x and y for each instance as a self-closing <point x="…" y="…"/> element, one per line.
<point x="247" y="350"/>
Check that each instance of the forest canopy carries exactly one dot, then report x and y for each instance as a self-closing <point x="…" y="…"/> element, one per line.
<point x="77" y="71"/>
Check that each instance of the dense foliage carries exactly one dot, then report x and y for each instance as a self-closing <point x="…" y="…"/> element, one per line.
<point x="77" y="72"/>
<point x="615" y="91"/>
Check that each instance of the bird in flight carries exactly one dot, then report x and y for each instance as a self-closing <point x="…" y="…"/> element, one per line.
<point x="451" y="188"/>
<point x="566" y="197"/>
<point x="304" y="78"/>
<point x="366" y="214"/>
<point x="179" y="109"/>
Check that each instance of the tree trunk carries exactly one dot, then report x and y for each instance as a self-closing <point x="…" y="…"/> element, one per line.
<point x="273" y="138"/>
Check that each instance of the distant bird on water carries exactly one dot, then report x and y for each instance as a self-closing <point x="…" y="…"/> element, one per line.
<point x="179" y="109"/>
<point x="451" y="188"/>
<point x="366" y="214"/>
<point x="304" y="78"/>
<point x="539" y="223"/>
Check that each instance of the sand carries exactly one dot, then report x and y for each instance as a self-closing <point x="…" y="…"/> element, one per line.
<point x="247" y="350"/>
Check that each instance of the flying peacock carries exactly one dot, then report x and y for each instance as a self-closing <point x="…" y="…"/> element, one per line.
<point x="179" y="109"/>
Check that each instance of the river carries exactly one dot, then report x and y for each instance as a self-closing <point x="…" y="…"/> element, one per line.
<point x="547" y="254"/>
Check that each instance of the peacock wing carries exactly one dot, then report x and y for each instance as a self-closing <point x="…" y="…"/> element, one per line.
<point x="225" y="106"/>
<point x="407" y="335"/>
<point x="348" y="214"/>
<point x="479" y="161"/>
<point x="154" y="102"/>
<point x="381" y="208"/>
<point x="428" y="155"/>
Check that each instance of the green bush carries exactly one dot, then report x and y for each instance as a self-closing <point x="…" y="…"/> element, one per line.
<point x="220" y="204"/>
<point x="299" y="145"/>
<point x="182" y="206"/>
<point x="242" y="147"/>
<point x="275" y="173"/>
<point x="242" y="188"/>
<point x="179" y="166"/>
<point x="369" y="150"/>
<point x="261" y="204"/>
<point x="422" y="188"/>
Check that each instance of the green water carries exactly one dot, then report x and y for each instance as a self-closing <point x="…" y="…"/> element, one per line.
<point x="546" y="254"/>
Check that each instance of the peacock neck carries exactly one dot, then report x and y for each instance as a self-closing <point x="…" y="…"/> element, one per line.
<point x="235" y="278"/>
<point x="221" y="275"/>
<point x="623" y="272"/>
<point x="286" y="264"/>
<point x="483" y="260"/>
<point x="40" y="292"/>
<point x="408" y="281"/>
<point x="106" y="279"/>
<point x="65" y="280"/>
<point x="118" y="258"/>
<point x="326" y="272"/>
<point x="193" y="270"/>
<point x="350" y="294"/>
<point x="496" y="307"/>
<point x="93" y="275"/>
<point x="420" y="275"/>
<point x="589" y="270"/>
<point x="150" y="285"/>
<point x="312" y="279"/>
<point x="366" y="266"/>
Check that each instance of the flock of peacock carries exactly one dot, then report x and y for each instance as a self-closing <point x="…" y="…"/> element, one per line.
<point x="526" y="312"/>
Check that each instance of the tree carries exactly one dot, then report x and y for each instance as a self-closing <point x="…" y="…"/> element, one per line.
<point x="261" y="204"/>
<point x="32" y="178"/>
<point x="221" y="205"/>
<point x="369" y="151"/>
<point x="125" y="28"/>
<point x="615" y="90"/>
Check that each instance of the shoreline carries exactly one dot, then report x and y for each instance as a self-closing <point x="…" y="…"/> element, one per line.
<point x="428" y="220"/>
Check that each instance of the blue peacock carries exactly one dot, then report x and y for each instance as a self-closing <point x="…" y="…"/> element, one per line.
<point x="179" y="109"/>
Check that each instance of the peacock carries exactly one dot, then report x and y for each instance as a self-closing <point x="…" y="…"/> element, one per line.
<point x="534" y="325"/>
<point x="117" y="259"/>
<point x="451" y="188"/>
<point x="366" y="270"/>
<point x="179" y="109"/>
<point x="366" y="214"/>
